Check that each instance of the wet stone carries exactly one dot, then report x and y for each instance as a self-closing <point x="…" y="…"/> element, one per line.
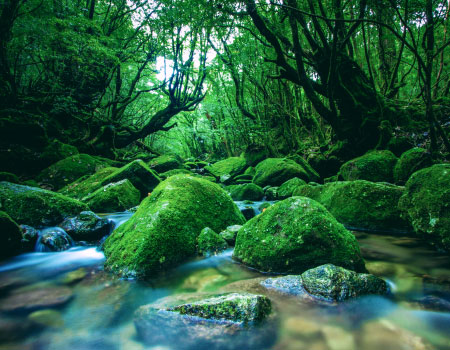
<point x="87" y="226"/>
<point x="53" y="239"/>
<point x="229" y="235"/>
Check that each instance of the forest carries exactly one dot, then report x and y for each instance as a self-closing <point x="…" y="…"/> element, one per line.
<point x="235" y="174"/>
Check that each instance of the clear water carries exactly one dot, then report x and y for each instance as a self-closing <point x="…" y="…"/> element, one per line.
<point x="99" y="314"/>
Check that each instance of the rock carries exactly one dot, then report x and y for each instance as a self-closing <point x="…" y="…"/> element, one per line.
<point x="338" y="338"/>
<point x="9" y="177"/>
<point x="139" y="174"/>
<point x="53" y="239"/>
<point x="163" y="232"/>
<point x="360" y="204"/>
<point x="29" y="237"/>
<point x="87" y="184"/>
<point x="73" y="277"/>
<point x="210" y="243"/>
<point x="34" y="299"/>
<point x="245" y="192"/>
<point x="230" y="233"/>
<point x="426" y="202"/>
<point x="271" y="193"/>
<point x="69" y="169"/>
<point x="47" y="318"/>
<point x="248" y="212"/>
<point x="326" y="166"/>
<point x="410" y="162"/>
<point x="264" y="206"/>
<point x="228" y="168"/>
<point x="294" y="235"/>
<point x="56" y="151"/>
<point x="312" y="174"/>
<point x="10" y="236"/>
<point x="255" y="154"/>
<point x="287" y="189"/>
<point x="276" y="171"/>
<point x="86" y="226"/>
<point x="204" y="280"/>
<point x="244" y="177"/>
<point x="223" y="322"/>
<point x="164" y="163"/>
<point x="172" y="172"/>
<point x="114" y="197"/>
<point x="399" y="145"/>
<point x="375" y="166"/>
<point x="13" y="329"/>
<point x="334" y="283"/>
<point x="37" y="207"/>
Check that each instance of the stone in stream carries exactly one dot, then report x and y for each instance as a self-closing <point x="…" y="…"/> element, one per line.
<point x="330" y="283"/>
<point x="53" y="239"/>
<point x="248" y="191"/>
<point x="164" y="230"/>
<point x="230" y="233"/>
<point x="37" y="207"/>
<point x="29" y="237"/>
<point x="271" y="193"/>
<point x="47" y="318"/>
<point x="219" y="322"/>
<point x="86" y="226"/>
<point x="294" y="235"/>
<point x="26" y="300"/>
<point x="248" y="212"/>
<point x="10" y="236"/>
<point x="210" y="243"/>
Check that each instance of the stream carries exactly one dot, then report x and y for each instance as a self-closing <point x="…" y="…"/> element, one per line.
<point x="65" y="300"/>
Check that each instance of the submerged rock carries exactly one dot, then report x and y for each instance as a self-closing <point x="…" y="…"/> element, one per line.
<point x="410" y="162"/>
<point x="53" y="239"/>
<point x="164" y="230"/>
<point x="210" y="243"/>
<point x="360" y="204"/>
<point x="87" y="226"/>
<point x="47" y="318"/>
<point x="247" y="191"/>
<point x="276" y="171"/>
<point x="230" y="233"/>
<point x="376" y="166"/>
<point x="37" y="207"/>
<point x="113" y="197"/>
<point x="426" y="204"/>
<point x="10" y="236"/>
<point x="294" y="235"/>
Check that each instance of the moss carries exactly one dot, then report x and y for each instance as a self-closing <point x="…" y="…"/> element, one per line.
<point x="255" y="154"/>
<point x="68" y="170"/>
<point x="426" y="202"/>
<point x="57" y="151"/>
<point x="287" y="189"/>
<point x="87" y="226"/>
<point x="118" y="196"/>
<point x="250" y="171"/>
<point x="37" y="207"/>
<point x="245" y="177"/>
<point x="164" y="163"/>
<point x="245" y="191"/>
<point x="210" y="243"/>
<point x="271" y="193"/>
<point x="172" y="172"/>
<point x="276" y="171"/>
<point x="410" y="162"/>
<point x="229" y="167"/>
<point x="294" y="235"/>
<point x="87" y="184"/>
<point x="139" y="174"/>
<point x="163" y="231"/>
<point x="360" y="204"/>
<point x="10" y="236"/>
<point x="376" y="166"/>
<point x="230" y="233"/>
<point x="242" y="308"/>
<point x="9" y="177"/>
<point x="312" y="174"/>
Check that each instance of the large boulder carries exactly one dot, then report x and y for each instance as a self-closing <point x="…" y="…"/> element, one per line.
<point x="68" y="170"/>
<point x="294" y="235"/>
<point x="287" y="189"/>
<point x="228" y="168"/>
<point x="360" y="204"/>
<point x="426" y="204"/>
<point x="113" y="197"/>
<point x="276" y="171"/>
<point x="164" y="163"/>
<point x="376" y="166"/>
<point x="10" y="236"/>
<point x="87" y="226"/>
<point x="249" y="191"/>
<point x="163" y="231"/>
<point x="410" y="162"/>
<point x="37" y="207"/>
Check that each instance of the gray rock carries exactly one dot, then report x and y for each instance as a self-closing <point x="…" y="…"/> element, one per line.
<point x="87" y="226"/>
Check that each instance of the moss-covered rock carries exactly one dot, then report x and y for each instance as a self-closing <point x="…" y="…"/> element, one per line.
<point x="163" y="232"/>
<point x="271" y="193"/>
<point x="29" y="238"/>
<point x="410" y="162"/>
<point x="276" y="171"/>
<point x="9" y="177"/>
<point x="37" y="207"/>
<point x="248" y="191"/>
<point x="360" y="204"/>
<point x="165" y="163"/>
<point x="255" y="154"/>
<point x="426" y="204"/>
<point x="294" y="235"/>
<point x="68" y="170"/>
<point x="313" y="175"/>
<point x="228" y="168"/>
<point x="230" y="233"/>
<point x="86" y="226"/>
<point x="287" y="189"/>
<point x="246" y="177"/>
<point x="118" y="196"/>
<point x="10" y="236"/>
<point x="376" y="166"/>
<point x="53" y="239"/>
<point x="56" y="151"/>
<point x="210" y="243"/>
<point x="329" y="282"/>
<point x="172" y="172"/>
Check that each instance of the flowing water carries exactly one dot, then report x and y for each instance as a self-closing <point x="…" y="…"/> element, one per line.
<point x="65" y="300"/>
